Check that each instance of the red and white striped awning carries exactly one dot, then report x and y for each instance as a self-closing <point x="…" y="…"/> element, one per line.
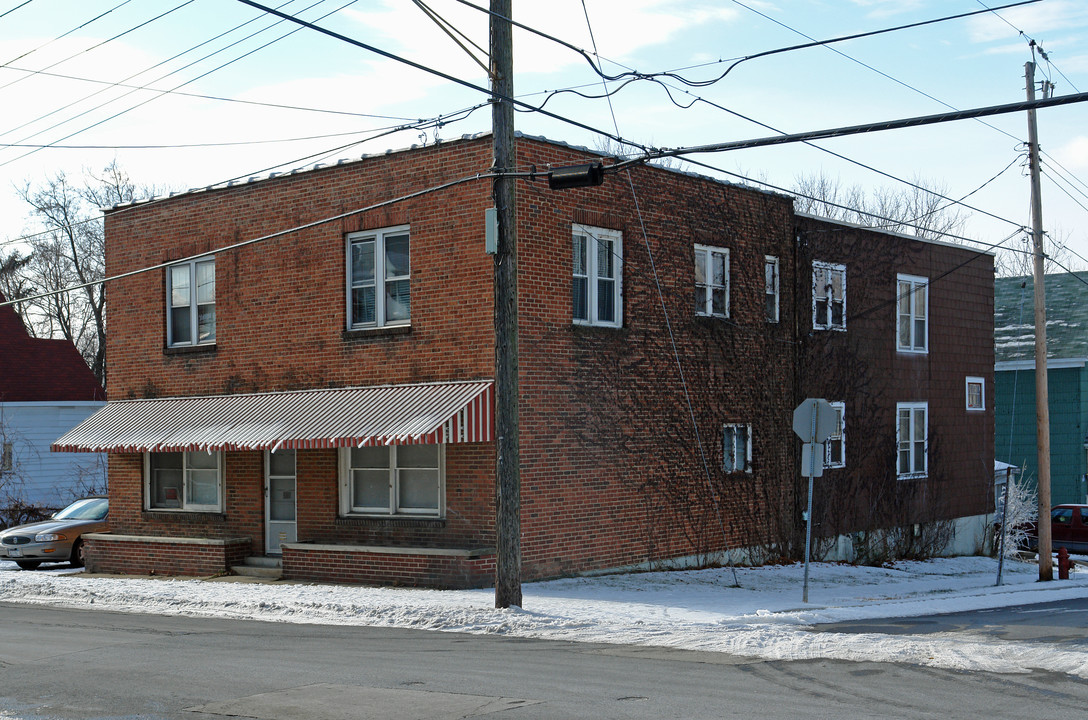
<point x="428" y="413"/>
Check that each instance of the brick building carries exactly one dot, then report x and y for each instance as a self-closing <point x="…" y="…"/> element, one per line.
<point x="326" y="393"/>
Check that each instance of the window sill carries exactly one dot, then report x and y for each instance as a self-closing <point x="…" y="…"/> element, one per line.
<point x="390" y="521"/>
<point x="910" y="351"/>
<point x="182" y="515"/>
<point x="832" y="328"/>
<point x="189" y="349"/>
<point x="589" y="328"/>
<point x="912" y="476"/>
<point x="378" y="332"/>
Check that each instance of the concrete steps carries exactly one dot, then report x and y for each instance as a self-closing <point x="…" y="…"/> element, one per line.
<point x="269" y="568"/>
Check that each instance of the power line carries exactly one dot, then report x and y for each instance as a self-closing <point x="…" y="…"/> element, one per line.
<point x="191" y="80"/>
<point x="64" y="34"/>
<point x="198" y="96"/>
<point x="99" y="44"/>
<point x="843" y="131"/>
<point x="437" y="73"/>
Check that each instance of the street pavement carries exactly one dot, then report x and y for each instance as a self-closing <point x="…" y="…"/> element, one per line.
<point x="68" y="664"/>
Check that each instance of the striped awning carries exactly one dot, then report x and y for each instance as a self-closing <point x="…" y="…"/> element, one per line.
<point x="428" y="413"/>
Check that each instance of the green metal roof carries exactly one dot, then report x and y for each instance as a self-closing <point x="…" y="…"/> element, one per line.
<point x="1066" y="317"/>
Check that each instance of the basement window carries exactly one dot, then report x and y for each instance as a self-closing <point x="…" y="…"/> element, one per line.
<point x="737" y="448"/>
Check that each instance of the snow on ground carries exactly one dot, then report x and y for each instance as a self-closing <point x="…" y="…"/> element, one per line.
<point x="760" y="615"/>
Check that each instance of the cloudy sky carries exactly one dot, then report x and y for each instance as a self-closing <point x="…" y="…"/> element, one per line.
<point x="250" y="94"/>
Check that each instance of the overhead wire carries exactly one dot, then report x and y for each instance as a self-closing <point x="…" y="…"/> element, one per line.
<point x="100" y="43"/>
<point x="437" y="73"/>
<point x="199" y="96"/>
<point x="187" y="82"/>
<point x="9" y="12"/>
<point x="64" y="34"/>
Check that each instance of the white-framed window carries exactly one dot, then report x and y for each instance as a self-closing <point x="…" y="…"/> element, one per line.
<point x="912" y="431"/>
<point x="190" y="303"/>
<point x="828" y="296"/>
<point x="770" y="288"/>
<point x="711" y="281"/>
<point x="7" y="457"/>
<point x="378" y="278"/>
<point x="737" y="448"/>
<point x="189" y="481"/>
<point x="912" y="313"/>
<point x="597" y="286"/>
<point x="976" y="393"/>
<point x="835" y="445"/>
<point x="392" y="480"/>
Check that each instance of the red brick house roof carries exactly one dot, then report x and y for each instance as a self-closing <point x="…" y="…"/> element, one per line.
<point x="37" y="370"/>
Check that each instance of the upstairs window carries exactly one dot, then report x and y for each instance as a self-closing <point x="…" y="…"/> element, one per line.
<point x="737" y="448"/>
<point x="976" y="393"/>
<point x="597" y="284"/>
<point x="828" y="296"/>
<point x="379" y="279"/>
<point x="190" y="298"/>
<point x="912" y="430"/>
<point x="711" y="281"/>
<point x="912" y="311"/>
<point x="770" y="288"/>
<point x="188" y="481"/>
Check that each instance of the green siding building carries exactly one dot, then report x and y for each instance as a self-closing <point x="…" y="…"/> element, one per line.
<point x="1067" y="379"/>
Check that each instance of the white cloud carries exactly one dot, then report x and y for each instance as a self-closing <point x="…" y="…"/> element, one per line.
<point x="1074" y="154"/>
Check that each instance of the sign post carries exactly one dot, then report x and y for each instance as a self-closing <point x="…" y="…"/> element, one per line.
<point x="814" y="422"/>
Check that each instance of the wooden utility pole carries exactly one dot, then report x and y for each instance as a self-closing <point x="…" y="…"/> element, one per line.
<point x="507" y="453"/>
<point x="1042" y="400"/>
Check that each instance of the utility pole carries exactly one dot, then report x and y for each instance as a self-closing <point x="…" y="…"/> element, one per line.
<point x="507" y="453"/>
<point x="1042" y="401"/>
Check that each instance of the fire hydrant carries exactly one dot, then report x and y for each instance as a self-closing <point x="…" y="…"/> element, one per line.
<point x="1064" y="563"/>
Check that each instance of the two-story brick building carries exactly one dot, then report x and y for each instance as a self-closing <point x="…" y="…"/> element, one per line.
<point x="306" y="367"/>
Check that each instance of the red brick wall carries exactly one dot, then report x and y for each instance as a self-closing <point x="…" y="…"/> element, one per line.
<point x="863" y="367"/>
<point x="438" y="571"/>
<point x="163" y="558"/>
<point x="614" y="469"/>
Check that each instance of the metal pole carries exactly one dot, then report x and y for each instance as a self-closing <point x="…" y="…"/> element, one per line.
<point x="1042" y="402"/>
<point x="507" y="453"/>
<point x="808" y="513"/>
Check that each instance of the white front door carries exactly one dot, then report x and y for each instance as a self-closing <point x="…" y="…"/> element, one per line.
<point x="279" y="502"/>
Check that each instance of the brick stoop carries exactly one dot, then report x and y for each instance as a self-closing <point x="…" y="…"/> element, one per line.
<point x="268" y="568"/>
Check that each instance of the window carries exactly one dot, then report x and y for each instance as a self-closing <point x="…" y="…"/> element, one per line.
<point x="597" y="283"/>
<point x="711" y="281"/>
<point x="191" y="481"/>
<point x="976" y="393"/>
<point x="828" y="296"/>
<point x="770" y="284"/>
<point x="379" y="293"/>
<point x="737" y="449"/>
<point x="835" y="445"/>
<point x="392" y="480"/>
<point x="911" y="433"/>
<point x="190" y="295"/>
<point x="912" y="301"/>
<point x="7" y="457"/>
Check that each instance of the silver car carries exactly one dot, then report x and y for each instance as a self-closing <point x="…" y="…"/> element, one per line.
<point x="56" y="539"/>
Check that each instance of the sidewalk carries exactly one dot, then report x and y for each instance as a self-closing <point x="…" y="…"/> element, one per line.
<point x="753" y="612"/>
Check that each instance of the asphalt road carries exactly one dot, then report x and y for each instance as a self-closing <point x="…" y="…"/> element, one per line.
<point x="1058" y="623"/>
<point x="69" y="664"/>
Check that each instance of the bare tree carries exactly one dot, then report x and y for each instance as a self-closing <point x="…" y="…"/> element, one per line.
<point x="1016" y="258"/>
<point x="69" y="251"/>
<point x="919" y="208"/>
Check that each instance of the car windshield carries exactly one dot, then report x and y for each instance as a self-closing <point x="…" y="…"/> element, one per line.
<point x="86" y="509"/>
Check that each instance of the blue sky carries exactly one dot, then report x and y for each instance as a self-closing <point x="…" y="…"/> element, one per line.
<point x="965" y="63"/>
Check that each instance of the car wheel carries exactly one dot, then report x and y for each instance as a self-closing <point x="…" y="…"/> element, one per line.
<point x="77" y="554"/>
<point x="28" y="564"/>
